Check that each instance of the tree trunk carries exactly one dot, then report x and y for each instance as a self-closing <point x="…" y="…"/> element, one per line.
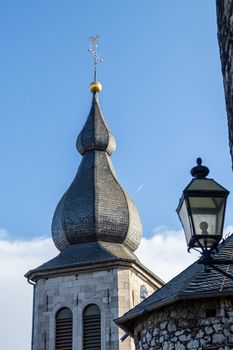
<point x="225" y="40"/>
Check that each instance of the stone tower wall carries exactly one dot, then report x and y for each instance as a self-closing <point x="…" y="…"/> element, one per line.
<point x="129" y="284"/>
<point x="114" y="290"/>
<point x="225" y="39"/>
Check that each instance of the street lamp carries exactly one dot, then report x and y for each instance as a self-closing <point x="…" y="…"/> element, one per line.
<point x="201" y="211"/>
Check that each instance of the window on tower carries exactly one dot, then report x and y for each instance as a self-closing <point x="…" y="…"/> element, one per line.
<point x="64" y="324"/>
<point x="91" y="328"/>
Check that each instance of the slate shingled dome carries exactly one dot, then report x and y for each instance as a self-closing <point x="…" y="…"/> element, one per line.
<point x="96" y="207"/>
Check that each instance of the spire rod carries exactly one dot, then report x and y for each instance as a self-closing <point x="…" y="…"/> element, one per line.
<point x="94" y="41"/>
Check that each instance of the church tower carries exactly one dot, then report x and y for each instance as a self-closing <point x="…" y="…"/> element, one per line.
<point x="96" y="277"/>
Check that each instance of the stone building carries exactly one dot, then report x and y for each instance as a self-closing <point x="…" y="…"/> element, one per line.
<point x="193" y="311"/>
<point x="225" y="39"/>
<point x="96" y="277"/>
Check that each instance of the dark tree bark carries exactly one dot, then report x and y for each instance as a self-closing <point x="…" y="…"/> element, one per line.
<point x="225" y="40"/>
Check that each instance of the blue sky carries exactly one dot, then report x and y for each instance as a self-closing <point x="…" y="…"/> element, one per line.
<point x="162" y="98"/>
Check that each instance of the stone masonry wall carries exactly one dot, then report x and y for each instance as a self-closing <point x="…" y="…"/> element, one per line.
<point x="112" y="290"/>
<point x="225" y="39"/>
<point x="187" y="326"/>
<point x="129" y="285"/>
<point x="75" y="292"/>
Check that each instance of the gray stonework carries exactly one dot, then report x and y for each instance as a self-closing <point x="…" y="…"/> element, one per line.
<point x="193" y="311"/>
<point x="114" y="290"/>
<point x="225" y="39"/>
<point x="189" y="325"/>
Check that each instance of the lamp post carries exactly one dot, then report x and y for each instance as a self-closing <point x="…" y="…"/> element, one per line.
<point x="201" y="211"/>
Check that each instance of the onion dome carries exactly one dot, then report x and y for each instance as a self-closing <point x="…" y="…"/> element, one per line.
<point x="96" y="208"/>
<point x="95" y="134"/>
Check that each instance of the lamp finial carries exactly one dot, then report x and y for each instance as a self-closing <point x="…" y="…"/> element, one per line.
<point x="199" y="171"/>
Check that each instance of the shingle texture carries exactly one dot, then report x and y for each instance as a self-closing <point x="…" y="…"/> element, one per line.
<point x="193" y="283"/>
<point x="95" y="134"/>
<point x="87" y="253"/>
<point x="96" y="208"/>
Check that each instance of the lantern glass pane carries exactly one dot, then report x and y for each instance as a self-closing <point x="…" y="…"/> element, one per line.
<point x="220" y="221"/>
<point x="185" y="220"/>
<point x="207" y="214"/>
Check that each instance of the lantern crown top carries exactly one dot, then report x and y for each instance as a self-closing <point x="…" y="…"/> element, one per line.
<point x="202" y="209"/>
<point x="199" y="171"/>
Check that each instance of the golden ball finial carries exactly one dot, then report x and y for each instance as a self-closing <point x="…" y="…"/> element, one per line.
<point x="95" y="86"/>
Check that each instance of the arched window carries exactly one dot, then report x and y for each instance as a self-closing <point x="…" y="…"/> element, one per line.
<point x="64" y="329"/>
<point x="91" y="328"/>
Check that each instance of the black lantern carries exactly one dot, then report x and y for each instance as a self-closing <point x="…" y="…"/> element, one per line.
<point x="202" y="209"/>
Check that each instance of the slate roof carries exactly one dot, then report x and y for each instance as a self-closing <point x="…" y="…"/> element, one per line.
<point x="193" y="283"/>
<point x="84" y="254"/>
<point x="96" y="207"/>
<point x="95" y="134"/>
<point x="79" y="257"/>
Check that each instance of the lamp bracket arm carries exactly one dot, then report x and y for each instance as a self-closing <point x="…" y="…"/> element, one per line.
<point x="211" y="262"/>
<point x="222" y="262"/>
<point x="226" y="274"/>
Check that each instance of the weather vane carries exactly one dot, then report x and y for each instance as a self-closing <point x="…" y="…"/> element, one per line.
<point x="94" y="41"/>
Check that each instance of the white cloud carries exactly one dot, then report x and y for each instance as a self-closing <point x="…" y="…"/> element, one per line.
<point x="165" y="253"/>
<point x="16" y="258"/>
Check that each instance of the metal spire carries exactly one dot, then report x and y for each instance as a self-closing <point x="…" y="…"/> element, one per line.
<point x="94" y="41"/>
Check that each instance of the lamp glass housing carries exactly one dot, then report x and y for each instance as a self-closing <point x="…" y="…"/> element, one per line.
<point x="201" y="211"/>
